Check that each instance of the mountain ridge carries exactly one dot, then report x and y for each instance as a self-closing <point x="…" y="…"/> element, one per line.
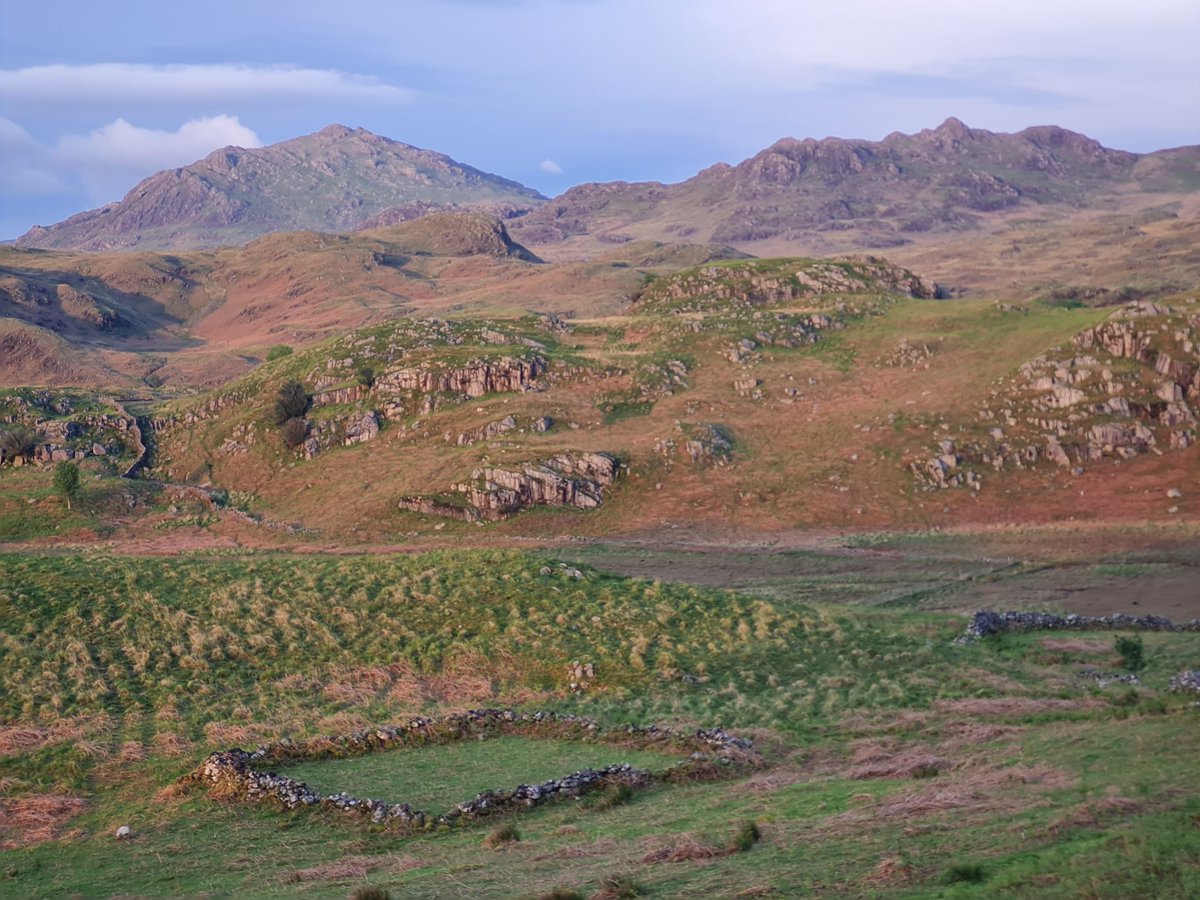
<point x="336" y="179"/>
<point x="836" y="194"/>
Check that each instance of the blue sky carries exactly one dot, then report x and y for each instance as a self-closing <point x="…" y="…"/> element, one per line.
<point x="95" y="96"/>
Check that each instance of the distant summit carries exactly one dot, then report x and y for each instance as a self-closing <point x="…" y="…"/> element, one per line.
<point x="337" y="179"/>
<point x="838" y="195"/>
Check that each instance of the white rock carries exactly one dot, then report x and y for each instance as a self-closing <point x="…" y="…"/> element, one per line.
<point x="124" y="833"/>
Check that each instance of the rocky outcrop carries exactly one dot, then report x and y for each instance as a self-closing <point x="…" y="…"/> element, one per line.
<point x="1186" y="682"/>
<point x="703" y="444"/>
<point x="68" y="428"/>
<point x="344" y="431"/>
<point x="755" y="284"/>
<point x="1084" y="407"/>
<point x="568" y="480"/>
<point x="472" y="380"/>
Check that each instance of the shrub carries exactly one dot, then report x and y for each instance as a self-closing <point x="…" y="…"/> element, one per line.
<point x="562" y="893"/>
<point x="501" y="835"/>
<point x="279" y="351"/>
<point x="365" y="376"/>
<point x="17" y="441"/>
<point x="745" y="836"/>
<point x="66" y="481"/>
<point x="612" y="796"/>
<point x="370" y="892"/>
<point x="1131" y="650"/>
<point x="969" y="873"/>
<point x="620" y="887"/>
<point x="294" y="431"/>
<point x="291" y="403"/>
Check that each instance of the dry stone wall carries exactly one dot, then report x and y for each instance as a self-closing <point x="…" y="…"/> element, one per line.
<point x="243" y="774"/>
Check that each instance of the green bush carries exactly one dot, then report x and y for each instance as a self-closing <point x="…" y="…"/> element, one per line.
<point x="365" y="376"/>
<point x="964" y="873"/>
<point x="279" y="351"/>
<point x="745" y="836"/>
<point x="1132" y="651"/>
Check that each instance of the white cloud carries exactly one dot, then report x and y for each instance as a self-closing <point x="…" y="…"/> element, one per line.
<point x="109" y="160"/>
<point x="120" y="145"/>
<point x="550" y="167"/>
<point x="22" y="169"/>
<point x="130" y="83"/>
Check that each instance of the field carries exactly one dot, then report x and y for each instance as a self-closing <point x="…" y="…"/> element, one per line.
<point x="898" y="763"/>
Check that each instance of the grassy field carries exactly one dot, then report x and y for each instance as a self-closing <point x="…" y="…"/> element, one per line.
<point x="434" y="779"/>
<point x="898" y="763"/>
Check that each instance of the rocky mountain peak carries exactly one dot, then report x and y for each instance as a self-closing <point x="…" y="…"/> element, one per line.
<point x="335" y="180"/>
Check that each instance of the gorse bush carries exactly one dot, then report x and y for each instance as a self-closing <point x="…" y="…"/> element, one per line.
<point x="17" y="440"/>
<point x="745" y="836"/>
<point x="294" y="431"/>
<point x="501" y="835"/>
<point x="1131" y="650"/>
<point x="292" y="402"/>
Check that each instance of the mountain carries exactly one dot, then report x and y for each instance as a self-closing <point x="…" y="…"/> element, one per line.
<point x="833" y="195"/>
<point x="337" y="179"/>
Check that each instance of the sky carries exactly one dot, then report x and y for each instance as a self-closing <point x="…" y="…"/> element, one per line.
<point x="96" y="96"/>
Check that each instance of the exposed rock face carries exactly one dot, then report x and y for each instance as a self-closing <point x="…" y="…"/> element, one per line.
<point x="334" y="180"/>
<point x="576" y="480"/>
<point x="475" y="380"/>
<point x="456" y="233"/>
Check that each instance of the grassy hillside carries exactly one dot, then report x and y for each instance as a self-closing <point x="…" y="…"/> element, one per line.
<point x="898" y="763"/>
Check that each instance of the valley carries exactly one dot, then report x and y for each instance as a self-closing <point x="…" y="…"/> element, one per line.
<point x="400" y="527"/>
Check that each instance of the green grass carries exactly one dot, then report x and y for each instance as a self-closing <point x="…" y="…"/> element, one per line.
<point x="1068" y="792"/>
<point x="435" y="778"/>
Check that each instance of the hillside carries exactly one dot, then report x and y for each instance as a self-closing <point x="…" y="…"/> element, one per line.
<point x="200" y="318"/>
<point x="337" y="179"/>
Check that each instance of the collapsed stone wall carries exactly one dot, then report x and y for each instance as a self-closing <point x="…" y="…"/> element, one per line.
<point x="236" y="773"/>
<point x="988" y="622"/>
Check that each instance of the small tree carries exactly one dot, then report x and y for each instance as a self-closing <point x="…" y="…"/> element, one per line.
<point x="291" y="402"/>
<point x="365" y="376"/>
<point x="66" y="481"/>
